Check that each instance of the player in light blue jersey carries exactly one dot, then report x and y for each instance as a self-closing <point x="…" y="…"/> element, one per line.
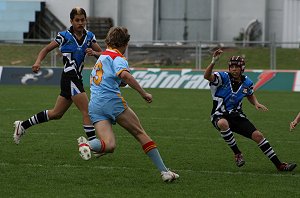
<point x="228" y="90"/>
<point x="74" y="44"/>
<point x="107" y="106"/>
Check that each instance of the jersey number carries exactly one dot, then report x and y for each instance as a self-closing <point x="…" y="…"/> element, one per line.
<point x="99" y="73"/>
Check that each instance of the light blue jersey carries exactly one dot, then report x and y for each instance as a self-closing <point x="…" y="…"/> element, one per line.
<point x="106" y="102"/>
<point x="225" y="98"/>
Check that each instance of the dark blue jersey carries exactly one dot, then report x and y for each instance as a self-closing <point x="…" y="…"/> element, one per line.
<point x="73" y="50"/>
<point x="227" y="97"/>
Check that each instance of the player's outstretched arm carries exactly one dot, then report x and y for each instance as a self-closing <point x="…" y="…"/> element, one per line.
<point x="131" y="81"/>
<point x="42" y="54"/>
<point x="253" y="100"/>
<point x="208" y="75"/>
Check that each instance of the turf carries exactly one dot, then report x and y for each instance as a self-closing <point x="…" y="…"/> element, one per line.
<point x="46" y="162"/>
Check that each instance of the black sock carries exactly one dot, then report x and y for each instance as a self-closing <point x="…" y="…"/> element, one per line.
<point x="269" y="152"/>
<point x="36" y="119"/>
<point x="230" y="140"/>
<point x="90" y="132"/>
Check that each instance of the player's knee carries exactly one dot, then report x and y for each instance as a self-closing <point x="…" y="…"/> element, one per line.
<point x="110" y="147"/>
<point x="257" y="136"/>
<point x="223" y="124"/>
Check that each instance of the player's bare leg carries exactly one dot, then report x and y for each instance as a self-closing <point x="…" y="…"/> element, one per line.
<point x="131" y="123"/>
<point x="61" y="106"/>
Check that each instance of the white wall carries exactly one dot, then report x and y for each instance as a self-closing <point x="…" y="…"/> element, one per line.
<point x="136" y="15"/>
<point x="138" y="18"/>
<point x="233" y="15"/>
<point x="282" y="17"/>
<point x="275" y="19"/>
<point x="291" y="22"/>
<point x="62" y="8"/>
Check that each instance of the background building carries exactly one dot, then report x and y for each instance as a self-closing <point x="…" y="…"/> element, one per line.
<point x="147" y="20"/>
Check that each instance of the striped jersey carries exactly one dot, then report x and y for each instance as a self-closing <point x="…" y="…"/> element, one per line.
<point x="73" y="50"/>
<point x="227" y="97"/>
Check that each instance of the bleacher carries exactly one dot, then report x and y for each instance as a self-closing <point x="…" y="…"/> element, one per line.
<point x="15" y="17"/>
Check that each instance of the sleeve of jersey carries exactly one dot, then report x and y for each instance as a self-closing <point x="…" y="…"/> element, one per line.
<point x="120" y="65"/>
<point x="250" y="87"/>
<point x="218" y="80"/>
<point x="59" y="39"/>
<point x="92" y="37"/>
<point x="94" y="40"/>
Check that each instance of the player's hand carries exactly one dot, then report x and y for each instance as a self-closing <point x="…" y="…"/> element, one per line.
<point x="90" y="52"/>
<point x="36" y="68"/>
<point x="147" y="97"/>
<point x="216" y="56"/>
<point x="293" y="125"/>
<point x="261" y="107"/>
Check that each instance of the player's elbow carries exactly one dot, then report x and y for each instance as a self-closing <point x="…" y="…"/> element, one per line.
<point x="208" y="77"/>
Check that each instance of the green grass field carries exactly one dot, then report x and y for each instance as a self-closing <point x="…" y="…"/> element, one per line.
<point x="46" y="162"/>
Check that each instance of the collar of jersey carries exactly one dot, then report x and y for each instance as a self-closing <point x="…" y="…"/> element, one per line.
<point x="115" y="51"/>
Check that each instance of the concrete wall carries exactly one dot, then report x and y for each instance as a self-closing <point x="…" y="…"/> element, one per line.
<point x="233" y="16"/>
<point x="149" y="20"/>
<point x="291" y="22"/>
<point x="274" y="18"/>
<point x="61" y="9"/>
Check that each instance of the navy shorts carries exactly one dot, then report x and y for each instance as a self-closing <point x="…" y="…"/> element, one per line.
<point x="237" y="123"/>
<point x="70" y="86"/>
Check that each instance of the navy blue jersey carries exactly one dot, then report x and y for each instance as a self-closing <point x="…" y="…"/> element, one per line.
<point x="73" y="50"/>
<point x="226" y="98"/>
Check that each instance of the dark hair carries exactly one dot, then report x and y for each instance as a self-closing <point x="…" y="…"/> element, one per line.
<point x="77" y="11"/>
<point x="117" y="37"/>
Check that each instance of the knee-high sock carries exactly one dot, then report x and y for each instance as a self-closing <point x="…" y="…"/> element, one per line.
<point x="89" y="131"/>
<point x="36" y="119"/>
<point x="97" y="145"/>
<point x="230" y="140"/>
<point x="151" y="150"/>
<point x="266" y="148"/>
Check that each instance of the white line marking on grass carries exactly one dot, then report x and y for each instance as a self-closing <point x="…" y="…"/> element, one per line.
<point x="176" y="118"/>
<point x="285" y="174"/>
<point x="179" y="138"/>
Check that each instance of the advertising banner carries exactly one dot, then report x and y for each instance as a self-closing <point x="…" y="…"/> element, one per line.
<point x="192" y="79"/>
<point x="273" y="80"/>
<point x="25" y="76"/>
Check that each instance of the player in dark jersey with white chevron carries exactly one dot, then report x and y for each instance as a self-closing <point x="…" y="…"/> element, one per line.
<point x="228" y="90"/>
<point x="74" y="44"/>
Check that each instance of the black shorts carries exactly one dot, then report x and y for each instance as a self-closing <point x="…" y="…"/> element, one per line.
<point x="237" y="123"/>
<point x="70" y="86"/>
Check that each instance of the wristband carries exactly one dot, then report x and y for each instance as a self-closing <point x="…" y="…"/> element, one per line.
<point x="214" y="59"/>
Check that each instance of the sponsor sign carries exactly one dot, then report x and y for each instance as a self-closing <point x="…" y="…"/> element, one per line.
<point x="191" y="79"/>
<point x="25" y="76"/>
<point x="156" y="78"/>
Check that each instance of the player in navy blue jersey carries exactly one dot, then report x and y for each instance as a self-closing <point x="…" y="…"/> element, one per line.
<point x="228" y="90"/>
<point x="74" y="44"/>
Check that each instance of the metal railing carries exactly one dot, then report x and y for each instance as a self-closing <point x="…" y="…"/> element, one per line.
<point x="168" y="54"/>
